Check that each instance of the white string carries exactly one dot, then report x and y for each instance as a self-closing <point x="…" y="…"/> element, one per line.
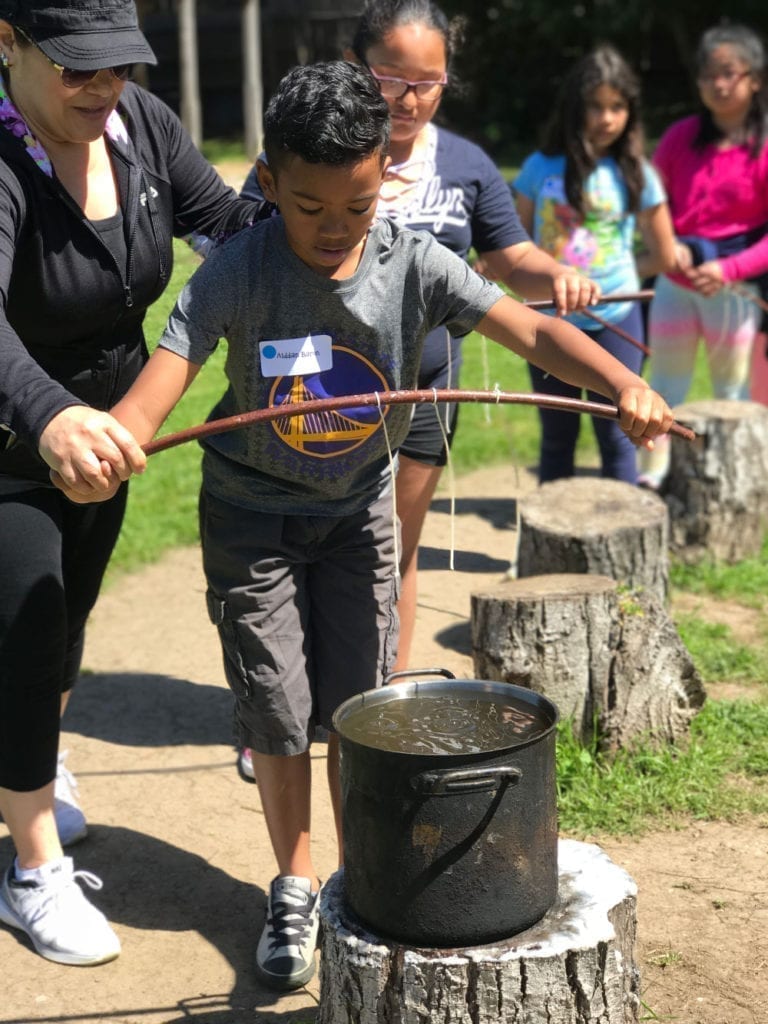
<point x="486" y="375"/>
<point x="452" y="494"/>
<point x="497" y="392"/>
<point x="450" y="381"/>
<point x="393" y="478"/>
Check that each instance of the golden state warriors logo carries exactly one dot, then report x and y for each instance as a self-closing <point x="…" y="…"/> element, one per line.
<point x="337" y="431"/>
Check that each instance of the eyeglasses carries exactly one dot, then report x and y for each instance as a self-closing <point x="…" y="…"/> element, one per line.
<point x="395" y="88"/>
<point x="74" y="79"/>
<point x="729" y="78"/>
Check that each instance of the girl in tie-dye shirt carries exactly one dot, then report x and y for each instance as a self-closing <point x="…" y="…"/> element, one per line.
<point x="582" y="198"/>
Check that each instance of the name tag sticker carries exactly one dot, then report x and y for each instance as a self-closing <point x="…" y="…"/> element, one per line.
<point x="296" y="357"/>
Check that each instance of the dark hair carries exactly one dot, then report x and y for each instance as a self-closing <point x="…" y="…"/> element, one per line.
<point x="326" y="113"/>
<point x="379" y="17"/>
<point x="565" y="132"/>
<point x="751" y="51"/>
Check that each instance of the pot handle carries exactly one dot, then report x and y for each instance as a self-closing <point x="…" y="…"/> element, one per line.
<point x="465" y="780"/>
<point x="406" y="672"/>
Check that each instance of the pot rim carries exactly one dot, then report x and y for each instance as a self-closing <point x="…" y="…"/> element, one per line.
<point x="420" y="687"/>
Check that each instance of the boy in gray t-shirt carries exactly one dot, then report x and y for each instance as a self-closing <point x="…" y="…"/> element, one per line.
<point x="297" y="519"/>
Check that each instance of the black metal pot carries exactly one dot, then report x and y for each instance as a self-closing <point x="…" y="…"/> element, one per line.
<point x="447" y="850"/>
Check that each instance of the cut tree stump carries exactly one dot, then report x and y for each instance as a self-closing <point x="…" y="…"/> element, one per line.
<point x="575" y="966"/>
<point x="604" y="656"/>
<point x="591" y="525"/>
<point x="717" y="488"/>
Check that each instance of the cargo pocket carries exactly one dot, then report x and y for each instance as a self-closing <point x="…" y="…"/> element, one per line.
<point x="234" y="662"/>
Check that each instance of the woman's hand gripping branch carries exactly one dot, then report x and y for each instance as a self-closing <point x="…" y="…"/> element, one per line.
<point x="89" y="453"/>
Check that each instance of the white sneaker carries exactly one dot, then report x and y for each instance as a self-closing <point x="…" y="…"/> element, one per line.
<point x="61" y="923"/>
<point x="285" y="956"/>
<point x="70" y="820"/>
<point x="245" y="765"/>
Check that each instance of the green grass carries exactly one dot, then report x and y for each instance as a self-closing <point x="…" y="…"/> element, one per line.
<point x="719" y="774"/>
<point x="218" y="150"/>
<point x="745" y="582"/>
<point x="162" y="504"/>
<point x="718" y="656"/>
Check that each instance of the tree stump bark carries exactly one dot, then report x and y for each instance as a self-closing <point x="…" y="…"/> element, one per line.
<point x="717" y="488"/>
<point x="607" y="658"/>
<point x="589" y="525"/>
<point x="575" y="966"/>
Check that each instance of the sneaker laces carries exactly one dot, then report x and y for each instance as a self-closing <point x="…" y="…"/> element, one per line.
<point x="289" y="925"/>
<point x="59" y="888"/>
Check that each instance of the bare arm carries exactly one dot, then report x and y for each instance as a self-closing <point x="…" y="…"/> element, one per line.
<point x="659" y="255"/>
<point x="559" y="348"/>
<point x="139" y="415"/>
<point x="89" y="452"/>
<point x="533" y="273"/>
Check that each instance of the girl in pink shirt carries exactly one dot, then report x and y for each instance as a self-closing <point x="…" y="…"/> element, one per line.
<point x="714" y="166"/>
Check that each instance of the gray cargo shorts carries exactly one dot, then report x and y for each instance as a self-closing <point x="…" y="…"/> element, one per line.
<point x="306" y="612"/>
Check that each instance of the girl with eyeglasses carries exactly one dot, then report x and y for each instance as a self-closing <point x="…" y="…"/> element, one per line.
<point x="442" y="183"/>
<point x="714" y="165"/>
<point x="96" y="178"/>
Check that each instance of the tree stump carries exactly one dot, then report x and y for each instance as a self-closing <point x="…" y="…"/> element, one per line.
<point x="575" y="966"/>
<point x="717" y="488"/>
<point x="605" y="657"/>
<point x="590" y="525"/>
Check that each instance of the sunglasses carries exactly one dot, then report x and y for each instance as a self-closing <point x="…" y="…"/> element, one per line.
<point x="395" y="88"/>
<point x="74" y="79"/>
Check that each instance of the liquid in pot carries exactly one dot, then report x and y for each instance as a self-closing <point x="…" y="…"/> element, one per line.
<point x="443" y="724"/>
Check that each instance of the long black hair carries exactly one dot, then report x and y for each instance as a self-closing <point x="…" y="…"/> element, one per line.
<point x="565" y="132"/>
<point x="379" y="17"/>
<point x="750" y="49"/>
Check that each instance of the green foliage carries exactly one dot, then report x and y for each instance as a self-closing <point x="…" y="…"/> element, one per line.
<point x="517" y="53"/>
<point x="632" y="792"/>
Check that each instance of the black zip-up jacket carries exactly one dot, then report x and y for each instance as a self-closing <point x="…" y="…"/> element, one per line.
<point x="70" y="318"/>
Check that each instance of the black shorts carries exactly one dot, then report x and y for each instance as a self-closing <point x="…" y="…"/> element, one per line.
<point x="440" y="365"/>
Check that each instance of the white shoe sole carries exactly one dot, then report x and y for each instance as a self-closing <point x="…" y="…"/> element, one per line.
<point x="7" y="916"/>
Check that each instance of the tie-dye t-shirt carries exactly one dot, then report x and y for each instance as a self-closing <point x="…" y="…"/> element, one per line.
<point x="600" y="244"/>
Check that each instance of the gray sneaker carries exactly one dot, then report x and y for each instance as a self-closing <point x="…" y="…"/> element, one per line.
<point x="70" y="820"/>
<point x="285" y="956"/>
<point x="61" y="923"/>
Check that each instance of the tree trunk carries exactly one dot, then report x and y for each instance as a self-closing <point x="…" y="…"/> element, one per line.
<point x="253" y="94"/>
<point x="575" y="966"/>
<point x="588" y="525"/>
<point x="609" y="659"/>
<point x="717" y="488"/>
<point x="191" y="111"/>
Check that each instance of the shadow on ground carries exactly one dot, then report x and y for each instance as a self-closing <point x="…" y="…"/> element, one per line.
<point x="144" y="710"/>
<point x="195" y="896"/>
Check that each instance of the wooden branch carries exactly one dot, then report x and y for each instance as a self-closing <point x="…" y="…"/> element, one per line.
<point x="381" y="398"/>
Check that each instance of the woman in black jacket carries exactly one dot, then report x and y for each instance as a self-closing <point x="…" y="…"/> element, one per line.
<point x="96" y="178"/>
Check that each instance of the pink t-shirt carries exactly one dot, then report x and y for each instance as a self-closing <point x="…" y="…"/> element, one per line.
<point x="714" y="193"/>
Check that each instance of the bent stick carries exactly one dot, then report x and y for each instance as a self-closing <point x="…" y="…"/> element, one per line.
<point x="381" y="398"/>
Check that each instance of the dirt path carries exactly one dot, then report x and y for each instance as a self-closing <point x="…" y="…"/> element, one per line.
<point x="180" y="842"/>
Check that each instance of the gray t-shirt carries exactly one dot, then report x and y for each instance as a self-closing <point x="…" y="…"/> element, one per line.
<point x="295" y="335"/>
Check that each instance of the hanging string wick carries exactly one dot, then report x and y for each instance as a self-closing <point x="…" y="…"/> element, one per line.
<point x="393" y="479"/>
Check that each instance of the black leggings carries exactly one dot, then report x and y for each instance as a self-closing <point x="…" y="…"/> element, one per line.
<point x="53" y="555"/>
